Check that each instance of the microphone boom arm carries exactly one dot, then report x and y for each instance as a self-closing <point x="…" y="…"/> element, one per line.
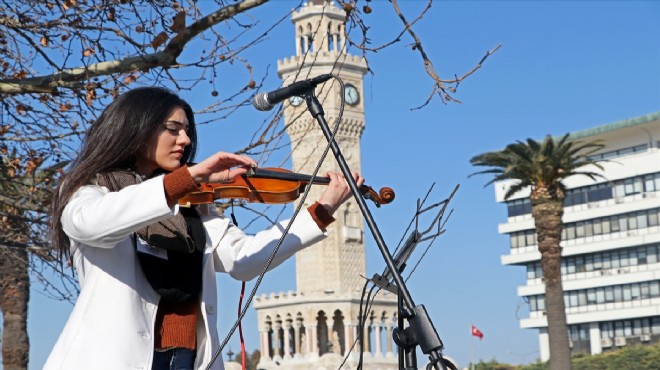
<point x="267" y="101"/>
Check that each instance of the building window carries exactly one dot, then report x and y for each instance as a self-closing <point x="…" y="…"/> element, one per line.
<point x="655" y="325"/>
<point x="609" y="294"/>
<point x="620" y="152"/>
<point x="591" y="296"/>
<point x="534" y="270"/>
<point x="635" y="291"/>
<point x="536" y="303"/>
<point x="530" y="238"/>
<point x="630" y="328"/>
<point x="652" y="254"/>
<point x="623" y="257"/>
<point x="570" y="232"/>
<point x="595" y="193"/>
<point x="598" y="261"/>
<point x="649" y="183"/>
<point x="600" y="295"/>
<point x="606" y="330"/>
<point x="600" y="192"/>
<point x="519" y="207"/>
<point x="642" y="220"/>
<point x="633" y="256"/>
<point x="598" y="226"/>
<point x="627" y="328"/>
<point x="644" y="290"/>
<point x="632" y="186"/>
<point x="654" y="289"/>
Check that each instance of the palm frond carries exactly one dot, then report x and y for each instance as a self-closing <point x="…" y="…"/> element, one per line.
<point x="539" y="164"/>
<point x="515" y="188"/>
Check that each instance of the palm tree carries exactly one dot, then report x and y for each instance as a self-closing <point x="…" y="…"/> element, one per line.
<point x="542" y="166"/>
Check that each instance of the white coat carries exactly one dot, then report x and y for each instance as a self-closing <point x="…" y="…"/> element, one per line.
<point x="112" y="323"/>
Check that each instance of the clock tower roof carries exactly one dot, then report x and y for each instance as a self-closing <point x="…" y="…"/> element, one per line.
<point x="320" y="42"/>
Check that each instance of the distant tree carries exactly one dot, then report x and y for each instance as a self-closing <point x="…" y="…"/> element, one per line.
<point x="254" y="358"/>
<point x="14" y="296"/>
<point x="542" y="167"/>
<point x="28" y="186"/>
<point x="251" y="360"/>
<point x="492" y="365"/>
<point x="635" y="357"/>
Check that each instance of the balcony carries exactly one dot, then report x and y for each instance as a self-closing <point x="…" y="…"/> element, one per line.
<point x="639" y="308"/>
<point x="588" y="244"/>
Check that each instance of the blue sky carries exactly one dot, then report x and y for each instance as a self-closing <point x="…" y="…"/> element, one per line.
<point x="563" y="66"/>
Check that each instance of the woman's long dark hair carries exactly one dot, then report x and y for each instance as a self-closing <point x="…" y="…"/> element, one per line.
<point x="114" y="141"/>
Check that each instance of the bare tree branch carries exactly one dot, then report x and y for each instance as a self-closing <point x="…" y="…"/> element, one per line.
<point x="74" y="77"/>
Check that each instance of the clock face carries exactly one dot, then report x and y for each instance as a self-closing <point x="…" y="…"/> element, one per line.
<point x="295" y="100"/>
<point x="351" y="94"/>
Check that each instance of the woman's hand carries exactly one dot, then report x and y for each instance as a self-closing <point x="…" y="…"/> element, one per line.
<point x="221" y="167"/>
<point x="337" y="191"/>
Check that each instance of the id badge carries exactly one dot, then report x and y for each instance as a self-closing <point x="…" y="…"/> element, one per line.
<point x="144" y="247"/>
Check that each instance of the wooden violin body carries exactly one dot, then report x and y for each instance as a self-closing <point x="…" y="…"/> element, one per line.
<point x="270" y="186"/>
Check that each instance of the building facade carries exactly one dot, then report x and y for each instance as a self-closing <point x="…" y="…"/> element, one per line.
<point x="316" y="327"/>
<point x="610" y="243"/>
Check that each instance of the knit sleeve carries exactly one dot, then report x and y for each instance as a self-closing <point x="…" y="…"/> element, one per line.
<point x="320" y="215"/>
<point x="178" y="183"/>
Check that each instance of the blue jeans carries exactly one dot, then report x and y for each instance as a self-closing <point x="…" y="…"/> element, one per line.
<point x="174" y="359"/>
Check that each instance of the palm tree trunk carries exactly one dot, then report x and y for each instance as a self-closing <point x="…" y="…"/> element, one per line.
<point x="14" y="296"/>
<point x="547" y="212"/>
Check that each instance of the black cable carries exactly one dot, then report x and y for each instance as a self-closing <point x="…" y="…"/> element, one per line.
<point x="349" y="351"/>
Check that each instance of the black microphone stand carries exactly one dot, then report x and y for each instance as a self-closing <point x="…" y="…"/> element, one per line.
<point x="420" y="330"/>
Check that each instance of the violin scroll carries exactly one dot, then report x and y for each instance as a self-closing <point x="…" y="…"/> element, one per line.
<point x="384" y="196"/>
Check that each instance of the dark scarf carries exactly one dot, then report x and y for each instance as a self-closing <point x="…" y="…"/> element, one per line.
<point x="179" y="277"/>
<point x="170" y="234"/>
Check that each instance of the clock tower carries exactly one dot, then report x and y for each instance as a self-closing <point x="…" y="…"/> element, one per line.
<point x="318" y="323"/>
<point x="320" y="50"/>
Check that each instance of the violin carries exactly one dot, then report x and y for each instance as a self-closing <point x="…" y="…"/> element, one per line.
<point x="271" y="186"/>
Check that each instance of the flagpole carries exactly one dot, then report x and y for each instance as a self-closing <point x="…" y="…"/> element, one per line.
<point x="471" y="348"/>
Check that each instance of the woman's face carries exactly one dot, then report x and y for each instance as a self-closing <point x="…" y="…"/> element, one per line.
<point x="164" y="149"/>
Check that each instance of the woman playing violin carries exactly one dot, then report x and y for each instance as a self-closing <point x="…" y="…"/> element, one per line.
<point x="146" y="265"/>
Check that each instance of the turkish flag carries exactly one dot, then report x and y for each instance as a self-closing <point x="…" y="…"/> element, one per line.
<point x="477" y="333"/>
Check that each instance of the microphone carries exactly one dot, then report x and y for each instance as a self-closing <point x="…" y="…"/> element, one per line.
<point x="266" y="101"/>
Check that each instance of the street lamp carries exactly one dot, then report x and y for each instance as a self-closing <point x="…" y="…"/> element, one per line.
<point x="230" y="354"/>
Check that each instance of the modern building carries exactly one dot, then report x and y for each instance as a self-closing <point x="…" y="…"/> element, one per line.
<point x="610" y="243"/>
<point x="316" y="326"/>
